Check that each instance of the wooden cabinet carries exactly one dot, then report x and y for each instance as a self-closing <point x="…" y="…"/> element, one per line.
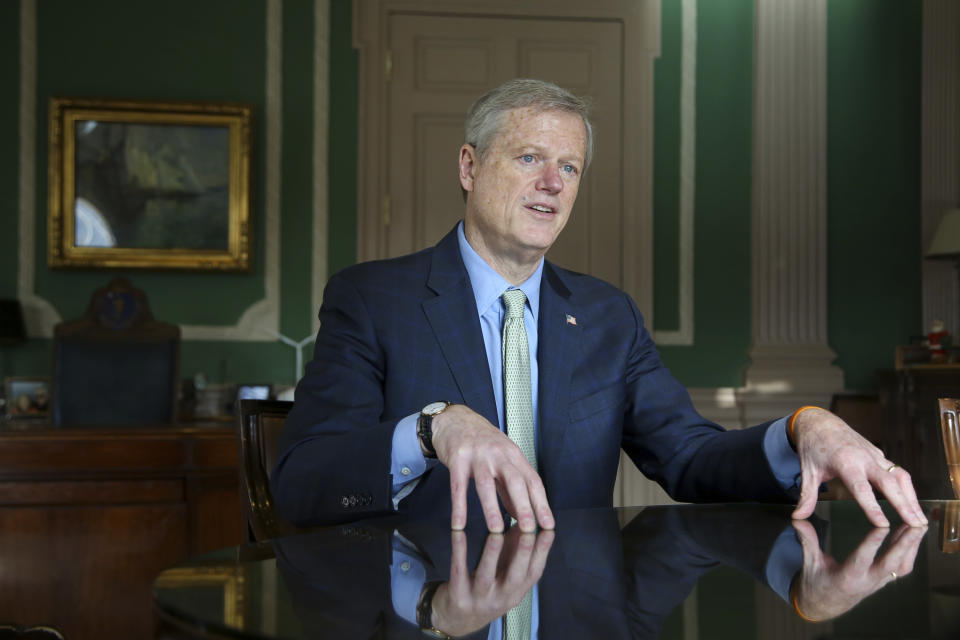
<point x="88" y="517"/>
<point x="908" y="401"/>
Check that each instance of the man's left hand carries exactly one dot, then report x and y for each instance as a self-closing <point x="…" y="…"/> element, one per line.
<point x="829" y="449"/>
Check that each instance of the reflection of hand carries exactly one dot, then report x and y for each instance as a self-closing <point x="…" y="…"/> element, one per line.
<point x="471" y="447"/>
<point x="825" y="589"/>
<point x="510" y="565"/>
<point x="828" y="449"/>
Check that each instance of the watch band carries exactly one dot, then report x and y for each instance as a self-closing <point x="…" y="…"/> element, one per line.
<point x="425" y="611"/>
<point x="425" y="426"/>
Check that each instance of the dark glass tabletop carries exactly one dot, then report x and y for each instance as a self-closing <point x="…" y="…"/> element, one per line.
<point x="684" y="571"/>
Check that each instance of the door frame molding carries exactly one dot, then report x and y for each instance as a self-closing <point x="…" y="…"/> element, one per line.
<point x="640" y="20"/>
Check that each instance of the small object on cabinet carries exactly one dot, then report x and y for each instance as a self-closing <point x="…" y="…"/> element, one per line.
<point x="938" y="341"/>
<point x="27" y="398"/>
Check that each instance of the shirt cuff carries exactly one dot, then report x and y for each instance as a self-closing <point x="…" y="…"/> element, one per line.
<point x="407" y="576"/>
<point x="406" y="459"/>
<point x="785" y="561"/>
<point x="782" y="458"/>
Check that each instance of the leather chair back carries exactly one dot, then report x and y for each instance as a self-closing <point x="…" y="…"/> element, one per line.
<point x="116" y="365"/>
<point x="261" y="422"/>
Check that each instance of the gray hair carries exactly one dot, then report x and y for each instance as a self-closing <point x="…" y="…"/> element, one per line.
<point x="485" y="115"/>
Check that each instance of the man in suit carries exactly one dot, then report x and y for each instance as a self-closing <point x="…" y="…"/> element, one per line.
<point x="404" y="406"/>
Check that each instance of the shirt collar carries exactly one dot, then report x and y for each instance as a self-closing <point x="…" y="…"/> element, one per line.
<point x="488" y="285"/>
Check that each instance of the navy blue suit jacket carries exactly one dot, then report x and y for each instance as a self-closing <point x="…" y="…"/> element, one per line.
<point x="398" y="334"/>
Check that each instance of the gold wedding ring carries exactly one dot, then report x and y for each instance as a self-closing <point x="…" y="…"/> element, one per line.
<point x="890" y="470"/>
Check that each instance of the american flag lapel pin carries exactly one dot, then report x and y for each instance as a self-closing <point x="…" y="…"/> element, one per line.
<point x="571" y="320"/>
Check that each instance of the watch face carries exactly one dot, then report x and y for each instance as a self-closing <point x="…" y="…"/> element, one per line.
<point x="434" y="408"/>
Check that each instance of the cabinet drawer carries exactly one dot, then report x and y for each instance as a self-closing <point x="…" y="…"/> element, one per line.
<point x="60" y="492"/>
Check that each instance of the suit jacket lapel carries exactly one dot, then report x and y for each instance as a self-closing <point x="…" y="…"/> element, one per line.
<point x="452" y="315"/>
<point x="558" y="349"/>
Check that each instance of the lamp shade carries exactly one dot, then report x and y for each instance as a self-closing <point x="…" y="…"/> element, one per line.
<point x="946" y="240"/>
<point x="12" y="328"/>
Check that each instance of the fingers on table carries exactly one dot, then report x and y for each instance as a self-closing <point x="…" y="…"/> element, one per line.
<point x="809" y="486"/>
<point x="459" y="480"/>
<point x="912" y="505"/>
<point x="507" y="476"/>
<point x="895" y="484"/>
<point x="860" y="483"/>
<point x="519" y="500"/>
<point x="538" y="499"/>
<point x="486" y="486"/>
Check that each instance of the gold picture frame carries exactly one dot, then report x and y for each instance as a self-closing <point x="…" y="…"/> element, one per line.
<point x="226" y="582"/>
<point x="152" y="185"/>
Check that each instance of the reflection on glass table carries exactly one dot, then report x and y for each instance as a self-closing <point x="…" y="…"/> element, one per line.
<point x="684" y="571"/>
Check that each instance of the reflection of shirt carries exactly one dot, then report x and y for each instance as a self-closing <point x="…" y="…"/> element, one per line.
<point x="407" y="461"/>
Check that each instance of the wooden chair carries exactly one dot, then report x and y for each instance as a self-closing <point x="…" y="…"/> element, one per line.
<point x="950" y="429"/>
<point x="36" y="632"/>
<point x="261" y="422"/>
<point x="116" y="365"/>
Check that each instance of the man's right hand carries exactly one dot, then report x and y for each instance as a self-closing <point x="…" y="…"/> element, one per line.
<point x="471" y="447"/>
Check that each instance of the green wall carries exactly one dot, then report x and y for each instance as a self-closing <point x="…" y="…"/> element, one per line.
<point x="873" y="182"/>
<point x="342" y="244"/>
<point x="724" y="99"/>
<point x="9" y="146"/>
<point x="215" y="51"/>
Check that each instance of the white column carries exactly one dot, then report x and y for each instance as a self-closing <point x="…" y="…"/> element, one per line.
<point x="791" y="362"/>
<point x="940" y="153"/>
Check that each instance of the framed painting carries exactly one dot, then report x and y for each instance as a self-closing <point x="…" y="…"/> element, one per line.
<point x="27" y="398"/>
<point x="153" y="185"/>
